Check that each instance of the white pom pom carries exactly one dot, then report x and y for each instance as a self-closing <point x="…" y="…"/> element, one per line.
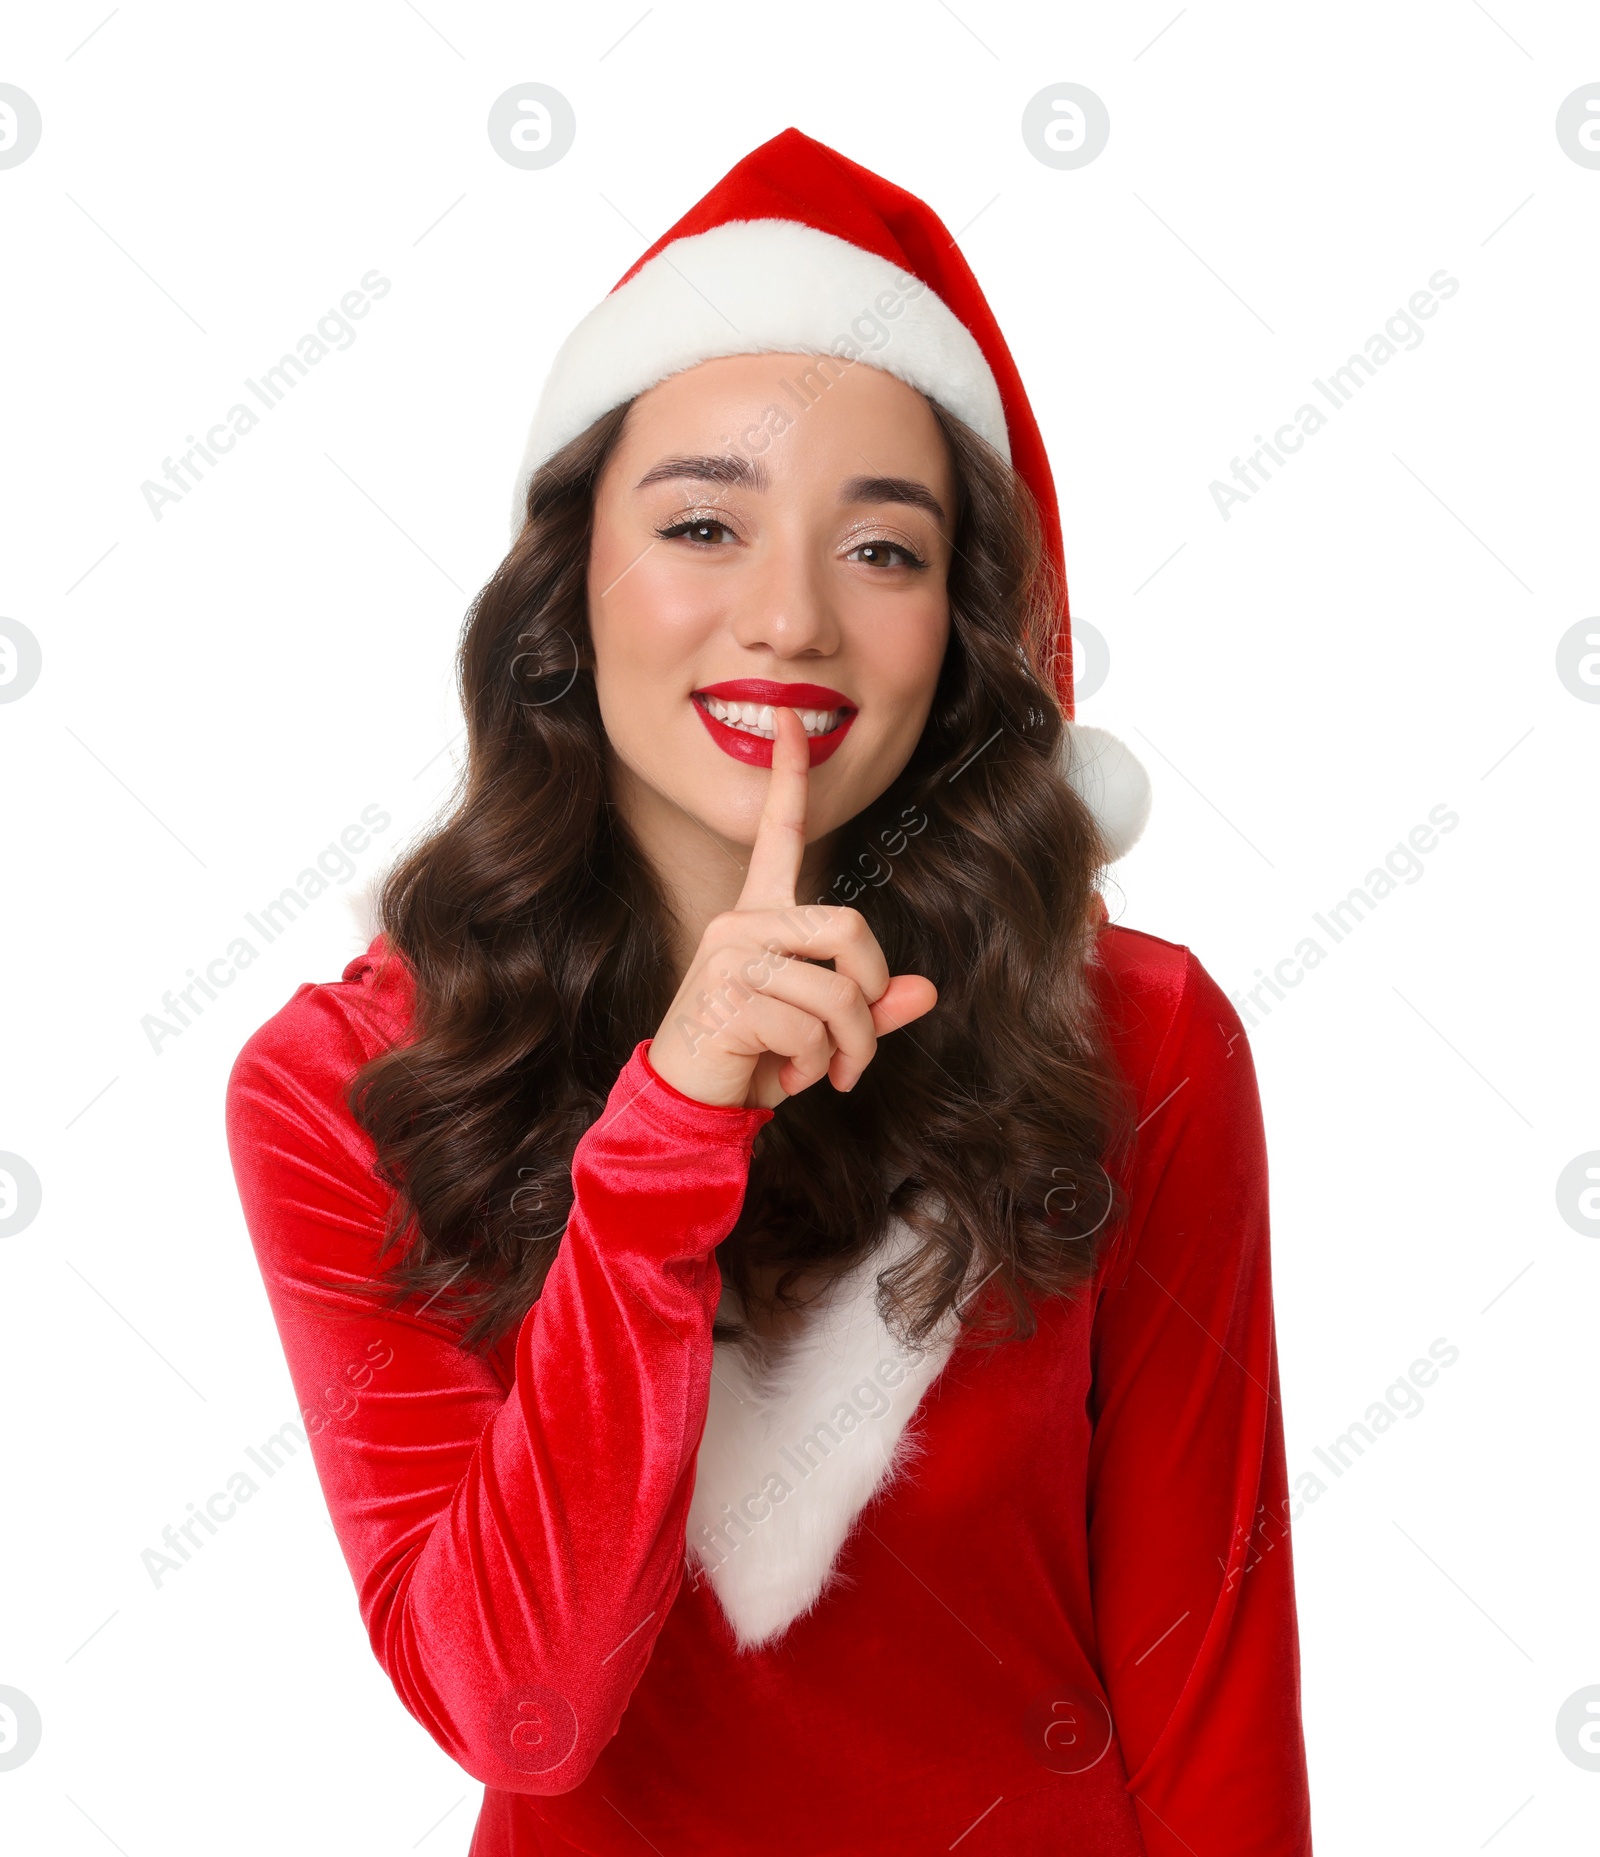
<point x="1110" y="780"/>
<point x="361" y="904"/>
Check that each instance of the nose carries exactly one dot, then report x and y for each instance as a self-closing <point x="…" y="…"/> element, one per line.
<point x="785" y="604"/>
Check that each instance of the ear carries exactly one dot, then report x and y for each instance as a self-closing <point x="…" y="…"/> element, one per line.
<point x="1110" y="780"/>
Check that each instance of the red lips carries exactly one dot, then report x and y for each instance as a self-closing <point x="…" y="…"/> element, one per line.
<point x="755" y="750"/>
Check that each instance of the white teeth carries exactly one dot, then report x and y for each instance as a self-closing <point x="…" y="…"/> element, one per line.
<point x="756" y="718"/>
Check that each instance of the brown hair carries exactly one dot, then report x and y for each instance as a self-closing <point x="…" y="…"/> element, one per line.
<point x="538" y="939"/>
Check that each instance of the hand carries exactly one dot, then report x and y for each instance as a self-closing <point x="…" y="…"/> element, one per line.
<point x="757" y="1019"/>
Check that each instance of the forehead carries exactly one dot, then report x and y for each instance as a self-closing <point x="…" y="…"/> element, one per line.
<point x="795" y="411"/>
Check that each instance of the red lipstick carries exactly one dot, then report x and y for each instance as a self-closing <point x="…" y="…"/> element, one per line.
<point x="756" y="750"/>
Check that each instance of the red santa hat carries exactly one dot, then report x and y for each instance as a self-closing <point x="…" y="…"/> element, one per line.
<point x="798" y="250"/>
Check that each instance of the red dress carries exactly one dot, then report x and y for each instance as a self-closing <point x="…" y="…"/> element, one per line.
<point x="1063" y="1620"/>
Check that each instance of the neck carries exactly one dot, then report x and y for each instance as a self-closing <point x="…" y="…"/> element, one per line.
<point x="701" y="873"/>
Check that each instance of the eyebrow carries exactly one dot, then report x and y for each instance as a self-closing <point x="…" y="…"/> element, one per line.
<point x="726" y="468"/>
<point x="892" y="490"/>
<point x="732" y="468"/>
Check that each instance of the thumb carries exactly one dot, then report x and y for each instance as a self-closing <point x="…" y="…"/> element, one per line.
<point x="906" y="997"/>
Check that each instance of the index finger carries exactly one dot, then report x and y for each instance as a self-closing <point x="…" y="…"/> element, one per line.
<point x="774" y="870"/>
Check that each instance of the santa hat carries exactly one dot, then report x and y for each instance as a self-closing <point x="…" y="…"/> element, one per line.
<point x="797" y="250"/>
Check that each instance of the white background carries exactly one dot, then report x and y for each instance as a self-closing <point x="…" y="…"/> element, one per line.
<point x="1371" y="635"/>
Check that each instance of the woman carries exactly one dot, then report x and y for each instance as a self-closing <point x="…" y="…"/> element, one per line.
<point x="778" y="1289"/>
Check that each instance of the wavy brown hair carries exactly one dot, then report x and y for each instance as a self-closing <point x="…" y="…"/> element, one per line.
<point x="539" y="941"/>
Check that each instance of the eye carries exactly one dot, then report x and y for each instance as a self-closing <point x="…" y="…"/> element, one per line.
<point x="880" y="553"/>
<point x="701" y="531"/>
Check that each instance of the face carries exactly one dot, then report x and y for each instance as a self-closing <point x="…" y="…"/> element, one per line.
<point x="749" y="549"/>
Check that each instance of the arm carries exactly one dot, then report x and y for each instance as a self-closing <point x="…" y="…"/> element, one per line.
<point x="1189" y="1544"/>
<point x="514" y="1555"/>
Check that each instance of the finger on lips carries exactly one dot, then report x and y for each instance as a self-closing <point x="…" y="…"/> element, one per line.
<point x="780" y="842"/>
<point x="765" y="956"/>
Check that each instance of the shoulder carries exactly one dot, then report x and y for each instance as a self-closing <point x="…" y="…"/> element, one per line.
<point x="1196" y="1174"/>
<point x="1165" y="1015"/>
<point x="312" y="1045"/>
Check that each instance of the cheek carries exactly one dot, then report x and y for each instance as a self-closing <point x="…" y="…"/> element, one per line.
<point x="646" y="623"/>
<point x="901" y="648"/>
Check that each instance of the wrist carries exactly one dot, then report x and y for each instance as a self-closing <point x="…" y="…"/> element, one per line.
<point x="658" y="1073"/>
<point x="676" y="1076"/>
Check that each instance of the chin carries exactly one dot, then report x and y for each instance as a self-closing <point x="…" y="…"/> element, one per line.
<point x="731" y="810"/>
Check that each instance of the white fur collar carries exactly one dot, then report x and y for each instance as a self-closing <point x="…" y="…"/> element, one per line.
<point x="795" y="1448"/>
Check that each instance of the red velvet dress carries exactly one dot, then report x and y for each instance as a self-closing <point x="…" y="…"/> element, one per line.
<point x="1066" y="1624"/>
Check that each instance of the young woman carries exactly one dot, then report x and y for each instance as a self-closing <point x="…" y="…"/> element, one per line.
<point x="777" y="1286"/>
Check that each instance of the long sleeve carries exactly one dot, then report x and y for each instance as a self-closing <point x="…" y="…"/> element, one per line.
<point x="1189" y="1533"/>
<point x="515" y="1552"/>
